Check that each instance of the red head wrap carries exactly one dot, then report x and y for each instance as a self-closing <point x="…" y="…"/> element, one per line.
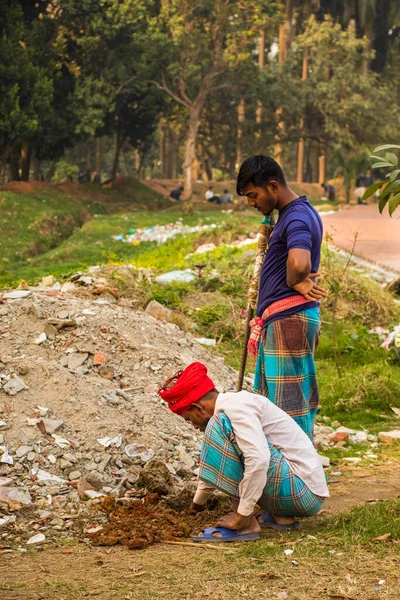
<point x="186" y="387"/>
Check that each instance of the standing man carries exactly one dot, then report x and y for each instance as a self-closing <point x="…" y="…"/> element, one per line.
<point x="286" y="330"/>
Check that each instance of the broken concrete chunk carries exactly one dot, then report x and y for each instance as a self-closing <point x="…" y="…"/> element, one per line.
<point x="77" y="359"/>
<point x="389" y="436"/>
<point x="16" y="295"/>
<point x="14" y="385"/>
<point x="14" y="495"/>
<point x="40" y="339"/>
<point x="158" y="311"/>
<point x="39" y="538"/>
<point x="50" y="425"/>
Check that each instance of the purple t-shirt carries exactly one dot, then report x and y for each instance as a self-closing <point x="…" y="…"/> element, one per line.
<point x="299" y="226"/>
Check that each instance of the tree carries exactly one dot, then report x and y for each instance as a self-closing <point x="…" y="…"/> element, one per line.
<point x="340" y="113"/>
<point x="204" y="41"/>
<point x="26" y="88"/>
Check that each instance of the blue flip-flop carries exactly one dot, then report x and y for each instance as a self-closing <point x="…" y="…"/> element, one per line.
<point x="227" y="535"/>
<point x="267" y="521"/>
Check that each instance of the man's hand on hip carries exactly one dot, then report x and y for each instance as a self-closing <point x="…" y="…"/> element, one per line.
<point x="309" y="289"/>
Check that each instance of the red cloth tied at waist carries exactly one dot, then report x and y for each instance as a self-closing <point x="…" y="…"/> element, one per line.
<point x="186" y="387"/>
<point x="258" y="323"/>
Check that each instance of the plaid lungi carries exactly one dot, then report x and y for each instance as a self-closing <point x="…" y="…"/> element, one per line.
<point x="285" y="369"/>
<point x="221" y="465"/>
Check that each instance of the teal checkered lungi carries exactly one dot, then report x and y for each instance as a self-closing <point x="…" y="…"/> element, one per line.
<point x="285" y="369"/>
<point x="221" y="465"/>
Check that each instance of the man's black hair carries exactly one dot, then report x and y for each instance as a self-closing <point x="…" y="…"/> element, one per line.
<point x="259" y="170"/>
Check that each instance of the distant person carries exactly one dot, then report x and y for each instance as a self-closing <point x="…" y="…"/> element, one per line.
<point x="95" y="177"/>
<point x="226" y="198"/>
<point x="177" y="193"/>
<point x="81" y="177"/>
<point x="330" y="191"/>
<point x="211" y="197"/>
<point x="368" y="179"/>
<point x="360" y="188"/>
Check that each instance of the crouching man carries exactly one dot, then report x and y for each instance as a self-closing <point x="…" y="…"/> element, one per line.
<point x="253" y="452"/>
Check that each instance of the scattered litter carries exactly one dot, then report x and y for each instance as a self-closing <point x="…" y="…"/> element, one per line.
<point x="107" y="441"/>
<point x="352" y="459"/>
<point x="282" y="595"/>
<point x="288" y="551"/>
<point x="381" y="581"/>
<point x="206" y="341"/>
<point x="176" y="276"/>
<point x="39" y="538"/>
<point x="60" y="441"/>
<point x="5" y="458"/>
<point x="393" y="340"/>
<point x="160" y="233"/>
<point x="396" y="410"/>
<point x="42" y="475"/>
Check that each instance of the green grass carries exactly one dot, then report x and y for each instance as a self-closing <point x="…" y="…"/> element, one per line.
<point x="33" y="223"/>
<point x="348" y="532"/>
<point x="369" y="380"/>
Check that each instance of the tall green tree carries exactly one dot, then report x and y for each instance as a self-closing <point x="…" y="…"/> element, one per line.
<point x="203" y="41"/>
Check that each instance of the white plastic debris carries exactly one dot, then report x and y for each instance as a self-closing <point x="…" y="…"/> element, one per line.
<point x="206" y="341"/>
<point x="176" y="276"/>
<point x="160" y="233"/>
<point x="42" y="475"/>
<point x="5" y="458"/>
<point x="107" y="441"/>
<point x="288" y="551"/>
<point x="60" y="441"/>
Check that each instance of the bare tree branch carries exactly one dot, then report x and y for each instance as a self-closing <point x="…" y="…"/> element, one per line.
<point x="164" y="87"/>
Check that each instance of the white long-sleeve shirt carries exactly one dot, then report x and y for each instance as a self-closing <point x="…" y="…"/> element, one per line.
<point x="256" y="421"/>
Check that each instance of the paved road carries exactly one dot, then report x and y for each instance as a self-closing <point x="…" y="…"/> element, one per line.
<point x="378" y="236"/>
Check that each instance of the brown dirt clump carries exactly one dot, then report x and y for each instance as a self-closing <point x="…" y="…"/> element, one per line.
<point x="143" y="523"/>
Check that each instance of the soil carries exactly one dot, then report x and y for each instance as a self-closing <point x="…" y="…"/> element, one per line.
<point x="151" y="521"/>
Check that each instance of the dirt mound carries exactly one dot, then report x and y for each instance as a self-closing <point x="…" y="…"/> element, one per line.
<point x="20" y="186"/>
<point x="149" y="521"/>
<point x="79" y="375"/>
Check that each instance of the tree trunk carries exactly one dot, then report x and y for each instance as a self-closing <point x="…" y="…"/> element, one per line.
<point x="190" y="143"/>
<point x="36" y="169"/>
<point x="321" y="164"/>
<point x="241" y="118"/>
<point x="261" y="63"/>
<point x="300" y="155"/>
<point x="50" y="173"/>
<point x="26" y="153"/>
<point x="284" y="44"/>
<point x="99" y="155"/>
<point x="14" y="167"/>
<point x="118" y="141"/>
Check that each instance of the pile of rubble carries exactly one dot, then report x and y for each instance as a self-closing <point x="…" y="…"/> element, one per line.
<point x="79" y="412"/>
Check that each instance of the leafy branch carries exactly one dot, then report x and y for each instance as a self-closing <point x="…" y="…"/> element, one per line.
<point x="390" y="186"/>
